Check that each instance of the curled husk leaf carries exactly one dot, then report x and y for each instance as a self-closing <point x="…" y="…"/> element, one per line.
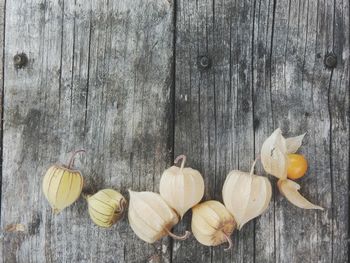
<point x="62" y="185"/>
<point x="275" y="150"/>
<point x="274" y="157"/>
<point x="151" y="218"/>
<point x="246" y="195"/>
<point x="106" y="207"/>
<point x="294" y="143"/>
<point x="290" y="190"/>
<point x="182" y="188"/>
<point x="212" y="224"/>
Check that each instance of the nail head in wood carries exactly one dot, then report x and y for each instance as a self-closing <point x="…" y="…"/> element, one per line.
<point x="204" y="62"/>
<point x="330" y="60"/>
<point x="20" y="60"/>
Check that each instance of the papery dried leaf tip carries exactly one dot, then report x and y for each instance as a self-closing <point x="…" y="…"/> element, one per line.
<point x="180" y="187"/>
<point x="290" y="190"/>
<point x="62" y="184"/>
<point x="274" y="157"/>
<point x="151" y="218"/>
<point x="246" y="195"/>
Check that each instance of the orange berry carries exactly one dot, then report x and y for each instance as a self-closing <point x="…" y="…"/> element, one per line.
<point x="297" y="166"/>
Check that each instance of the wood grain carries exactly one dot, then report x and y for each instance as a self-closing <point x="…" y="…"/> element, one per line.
<point x="214" y="109"/>
<point x="263" y="45"/>
<point x="122" y="79"/>
<point x="301" y="97"/>
<point x="2" y="30"/>
<point x="267" y="71"/>
<point x="99" y="78"/>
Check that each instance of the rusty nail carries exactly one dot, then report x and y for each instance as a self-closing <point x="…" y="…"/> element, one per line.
<point x="20" y="60"/>
<point x="330" y="60"/>
<point x="204" y="62"/>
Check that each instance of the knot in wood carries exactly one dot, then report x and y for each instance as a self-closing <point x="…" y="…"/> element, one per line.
<point x="330" y="60"/>
<point x="20" y="60"/>
<point x="203" y="62"/>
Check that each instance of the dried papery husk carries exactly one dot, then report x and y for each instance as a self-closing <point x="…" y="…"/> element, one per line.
<point x="212" y="224"/>
<point x="181" y="188"/>
<point x="290" y="190"/>
<point x="62" y="185"/>
<point x="151" y="218"/>
<point x="294" y="143"/>
<point x="106" y="207"/>
<point x="275" y="150"/>
<point x="246" y="195"/>
<point x="260" y="188"/>
<point x="274" y="157"/>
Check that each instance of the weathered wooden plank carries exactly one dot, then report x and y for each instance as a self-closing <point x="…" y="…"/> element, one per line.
<point x="99" y="78"/>
<point x="2" y="28"/>
<point x="339" y="110"/>
<point x="29" y="114"/>
<point x="291" y="90"/>
<point x="213" y="111"/>
<point x="302" y="96"/>
<point x="263" y="119"/>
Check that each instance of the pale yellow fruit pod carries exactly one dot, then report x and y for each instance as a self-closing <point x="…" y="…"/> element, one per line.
<point x="246" y="195"/>
<point x="181" y="188"/>
<point x="151" y="218"/>
<point x="212" y="224"/>
<point x="106" y="207"/>
<point x="62" y="185"/>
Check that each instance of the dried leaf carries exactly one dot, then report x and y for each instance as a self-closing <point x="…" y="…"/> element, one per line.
<point x="294" y="143"/>
<point x="273" y="155"/>
<point x="246" y="195"/>
<point x="290" y="189"/>
<point x="269" y="194"/>
<point x="237" y="186"/>
<point x="15" y="228"/>
<point x="260" y="196"/>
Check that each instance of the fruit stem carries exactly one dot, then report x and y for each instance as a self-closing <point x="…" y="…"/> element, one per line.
<point x="85" y="196"/>
<point x="71" y="160"/>
<point x="253" y="165"/>
<point x="184" y="237"/>
<point x="55" y="211"/>
<point x="183" y="158"/>
<point x="229" y="242"/>
<point x="122" y="205"/>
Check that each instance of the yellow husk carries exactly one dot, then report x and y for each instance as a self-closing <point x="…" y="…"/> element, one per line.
<point x="246" y="195"/>
<point x="150" y="217"/>
<point x="181" y="188"/>
<point x="62" y="187"/>
<point x="212" y="224"/>
<point x="106" y="207"/>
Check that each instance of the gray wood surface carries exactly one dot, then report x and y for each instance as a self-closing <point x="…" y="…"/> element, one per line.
<point x="100" y="78"/>
<point x="267" y="72"/>
<point x="122" y="79"/>
<point x="214" y="109"/>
